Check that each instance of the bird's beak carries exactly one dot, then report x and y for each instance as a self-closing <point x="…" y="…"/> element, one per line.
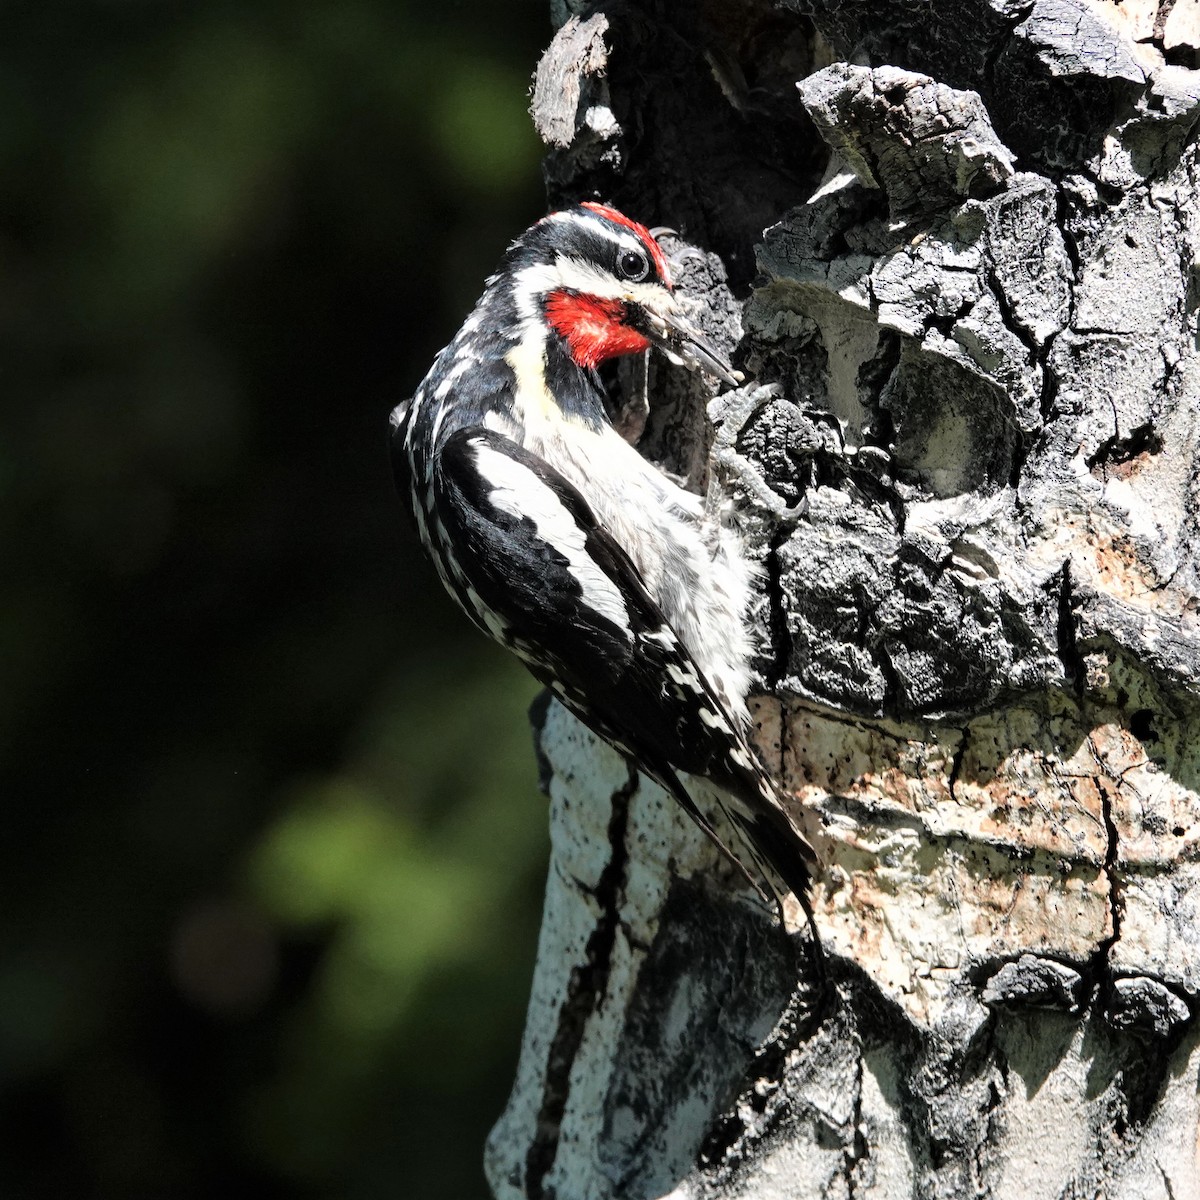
<point x="685" y="347"/>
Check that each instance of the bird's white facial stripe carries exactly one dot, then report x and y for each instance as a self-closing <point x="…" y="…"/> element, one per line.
<point x="596" y="224"/>
<point x="579" y="275"/>
<point x="531" y="285"/>
<point x="584" y="219"/>
<point x="518" y="491"/>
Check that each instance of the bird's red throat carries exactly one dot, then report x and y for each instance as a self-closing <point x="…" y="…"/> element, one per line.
<point x="593" y="327"/>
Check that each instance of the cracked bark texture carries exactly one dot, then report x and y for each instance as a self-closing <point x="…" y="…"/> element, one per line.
<point x="953" y="245"/>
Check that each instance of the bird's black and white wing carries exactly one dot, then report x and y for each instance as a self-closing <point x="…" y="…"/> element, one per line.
<point x="526" y="557"/>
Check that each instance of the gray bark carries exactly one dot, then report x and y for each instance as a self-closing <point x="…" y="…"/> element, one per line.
<point x="954" y="243"/>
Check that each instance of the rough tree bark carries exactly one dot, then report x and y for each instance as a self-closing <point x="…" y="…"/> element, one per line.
<point x="959" y="238"/>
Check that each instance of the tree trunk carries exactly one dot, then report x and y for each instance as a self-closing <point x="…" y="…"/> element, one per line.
<point x="975" y="491"/>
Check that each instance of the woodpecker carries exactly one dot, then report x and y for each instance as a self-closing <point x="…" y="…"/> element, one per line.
<point x="559" y="540"/>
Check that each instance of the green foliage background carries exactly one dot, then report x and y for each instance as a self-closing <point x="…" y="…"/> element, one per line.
<point x="272" y="850"/>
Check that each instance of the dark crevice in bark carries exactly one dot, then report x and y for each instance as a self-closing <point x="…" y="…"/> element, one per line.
<point x="1108" y="194"/>
<point x="956" y="762"/>
<point x="1009" y="319"/>
<point x="993" y="1109"/>
<point x="1049" y="394"/>
<point x="944" y="323"/>
<point x="879" y="428"/>
<point x="1116" y="902"/>
<point x="1064" y="214"/>
<point x="1022" y="447"/>
<point x="1116" y="449"/>
<point x="1067" y="634"/>
<point x="585" y="993"/>
<point x="780" y="639"/>
<point x="893" y="685"/>
<point x="991" y="59"/>
<point x="857" y="1148"/>
<point x="1141" y="725"/>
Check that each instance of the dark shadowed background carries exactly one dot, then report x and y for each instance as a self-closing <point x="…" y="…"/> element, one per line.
<point x="272" y="849"/>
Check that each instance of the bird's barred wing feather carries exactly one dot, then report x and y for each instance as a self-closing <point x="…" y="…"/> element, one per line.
<point x="522" y="548"/>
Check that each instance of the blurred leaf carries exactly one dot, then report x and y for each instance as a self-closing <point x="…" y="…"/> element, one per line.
<point x="409" y="905"/>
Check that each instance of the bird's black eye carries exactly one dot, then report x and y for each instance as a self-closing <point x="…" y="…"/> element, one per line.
<point x="633" y="265"/>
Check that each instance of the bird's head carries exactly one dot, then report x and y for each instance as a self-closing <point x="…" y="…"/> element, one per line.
<point x="602" y="283"/>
